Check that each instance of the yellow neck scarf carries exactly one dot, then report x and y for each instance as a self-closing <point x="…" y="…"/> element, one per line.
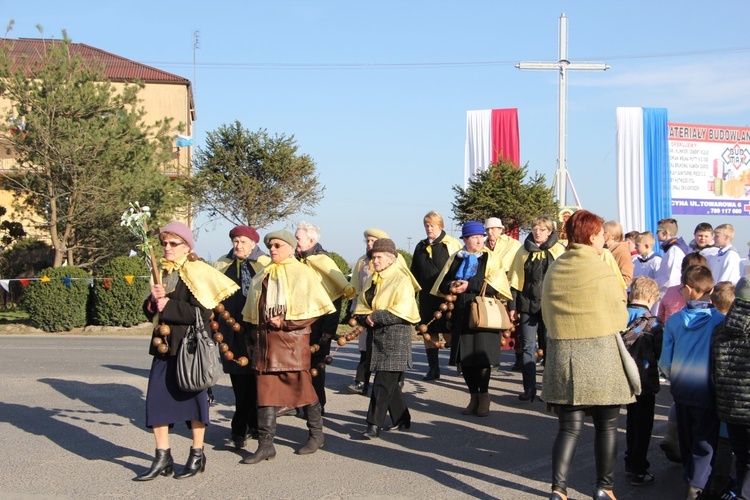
<point x="395" y="293"/>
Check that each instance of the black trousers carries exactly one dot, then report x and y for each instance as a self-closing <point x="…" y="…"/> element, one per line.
<point x="387" y="398"/>
<point x="362" y="374"/>
<point x="739" y="436"/>
<point x="640" y="423"/>
<point x="319" y="382"/>
<point x="245" y="419"/>
<point x="570" y="419"/>
<point x="477" y="378"/>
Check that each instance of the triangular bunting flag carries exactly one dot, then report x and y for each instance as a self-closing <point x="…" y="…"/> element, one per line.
<point x="45" y="279"/>
<point x="106" y="283"/>
<point x="66" y="281"/>
<point x="25" y="281"/>
<point x="4" y="284"/>
<point x="129" y="279"/>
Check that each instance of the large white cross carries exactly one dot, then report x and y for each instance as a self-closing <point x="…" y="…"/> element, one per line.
<point x="563" y="65"/>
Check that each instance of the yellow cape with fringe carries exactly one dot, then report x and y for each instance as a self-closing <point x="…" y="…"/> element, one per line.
<point x="494" y="275"/>
<point x="305" y="296"/>
<point x="334" y="281"/>
<point x="395" y="293"/>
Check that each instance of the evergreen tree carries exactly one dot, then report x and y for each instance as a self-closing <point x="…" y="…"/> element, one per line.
<point x="503" y="191"/>
<point x="83" y="152"/>
<point x="253" y="178"/>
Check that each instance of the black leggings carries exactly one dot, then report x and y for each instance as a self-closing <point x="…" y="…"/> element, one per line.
<point x="570" y="420"/>
<point x="477" y="378"/>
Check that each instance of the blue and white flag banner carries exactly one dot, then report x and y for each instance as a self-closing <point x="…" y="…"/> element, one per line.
<point x="643" y="174"/>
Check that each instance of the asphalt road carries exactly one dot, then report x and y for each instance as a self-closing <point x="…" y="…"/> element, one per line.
<point x="72" y="414"/>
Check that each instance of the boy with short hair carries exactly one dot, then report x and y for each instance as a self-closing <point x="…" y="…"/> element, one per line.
<point x="723" y="296"/>
<point x="703" y="239"/>
<point x="674" y="249"/>
<point x="646" y="262"/>
<point x="630" y="240"/>
<point x="685" y="360"/>
<point x="725" y="263"/>
<point x="643" y="338"/>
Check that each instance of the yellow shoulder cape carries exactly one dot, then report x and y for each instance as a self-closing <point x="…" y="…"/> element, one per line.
<point x="305" y="296"/>
<point x="609" y="259"/>
<point x="334" y="281"/>
<point x="208" y="285"/>
<point x="516" y="273"/>
<point x="494" y="275"/>
<point x="395" y="294"/>
<point x="223" y="263"/>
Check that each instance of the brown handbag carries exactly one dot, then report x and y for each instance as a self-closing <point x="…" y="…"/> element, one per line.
<point x="488" y="313"/>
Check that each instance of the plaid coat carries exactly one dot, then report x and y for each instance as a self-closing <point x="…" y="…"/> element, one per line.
<point x="389" y="342"/>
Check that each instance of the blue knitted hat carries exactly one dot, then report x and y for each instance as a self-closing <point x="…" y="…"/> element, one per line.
<point x="472" y="228"/>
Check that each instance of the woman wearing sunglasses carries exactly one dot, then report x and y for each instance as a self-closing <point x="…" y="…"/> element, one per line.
<point x="282" y="304"/>
<point x="188" y="285"/>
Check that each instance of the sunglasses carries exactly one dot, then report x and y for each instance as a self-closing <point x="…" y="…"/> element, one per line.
<point x="276" y="245"/>
<point x="172" y="244"/>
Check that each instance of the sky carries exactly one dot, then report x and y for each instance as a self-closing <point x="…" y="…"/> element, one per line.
<point x="376" y="92"/>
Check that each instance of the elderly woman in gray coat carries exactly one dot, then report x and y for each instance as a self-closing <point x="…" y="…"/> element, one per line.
<point x="388" y="308"/>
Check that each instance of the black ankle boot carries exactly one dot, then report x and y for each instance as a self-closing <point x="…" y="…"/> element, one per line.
<point x="372" y="432"/>
<point x="162" y="464"/>
<point x="196" y="463"/>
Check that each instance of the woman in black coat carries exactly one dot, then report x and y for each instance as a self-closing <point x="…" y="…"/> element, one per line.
<point x="464" y="275"/>
<point x="177" y="307"/>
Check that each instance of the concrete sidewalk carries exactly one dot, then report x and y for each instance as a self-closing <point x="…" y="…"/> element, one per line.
<point x="72" y="413"/>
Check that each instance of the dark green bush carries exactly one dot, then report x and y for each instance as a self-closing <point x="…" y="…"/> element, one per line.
<point x="121" y="304"/>
<point x="55" y="307"/>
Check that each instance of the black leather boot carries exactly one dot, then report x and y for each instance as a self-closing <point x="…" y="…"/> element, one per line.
<point x="196" y="463"/>
<point x="433" y="361"/>
<point x="372" y="432"/>
<point x="266" y="433"/>
<point x="163" y="464"/>
<point x="315" y="425"/>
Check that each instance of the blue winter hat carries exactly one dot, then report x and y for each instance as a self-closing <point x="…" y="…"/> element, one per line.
<point x="472" y="228"/>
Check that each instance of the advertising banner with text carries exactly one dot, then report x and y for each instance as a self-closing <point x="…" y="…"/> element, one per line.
<point x="710" y="169"/>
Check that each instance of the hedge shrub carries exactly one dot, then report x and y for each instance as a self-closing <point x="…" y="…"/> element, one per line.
<point x="55" y="307"/>
<point x="120" y="304"/>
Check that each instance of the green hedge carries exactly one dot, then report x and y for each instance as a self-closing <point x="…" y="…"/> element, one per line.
<point x="54" y="306"/>
<point x="120" y="304"/>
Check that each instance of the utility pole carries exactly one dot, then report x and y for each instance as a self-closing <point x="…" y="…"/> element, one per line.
<point x="562" y="66"/>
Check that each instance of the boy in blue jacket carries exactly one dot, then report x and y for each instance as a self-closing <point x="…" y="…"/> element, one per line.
<point x="685" y="360"/>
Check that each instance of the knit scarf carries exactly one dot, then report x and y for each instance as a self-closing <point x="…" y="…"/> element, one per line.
<point x="468" y="267"/>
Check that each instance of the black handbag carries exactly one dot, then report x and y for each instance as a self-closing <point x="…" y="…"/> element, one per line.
<point x="198" y="363"/>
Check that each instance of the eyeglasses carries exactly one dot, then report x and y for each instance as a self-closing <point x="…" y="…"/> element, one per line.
<point x="172" y="244"/>
<point x="276" y="245"/>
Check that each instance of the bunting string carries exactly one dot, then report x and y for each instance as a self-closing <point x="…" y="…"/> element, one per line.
<point x="107" y="282"/>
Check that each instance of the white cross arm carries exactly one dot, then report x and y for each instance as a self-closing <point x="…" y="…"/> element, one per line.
<point x="581" y="66"/>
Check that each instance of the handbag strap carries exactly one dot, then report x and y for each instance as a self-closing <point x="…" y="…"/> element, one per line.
<point x="484" y="288"/>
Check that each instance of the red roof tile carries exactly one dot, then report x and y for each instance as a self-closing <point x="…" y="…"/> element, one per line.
<point x="115" y="68"/>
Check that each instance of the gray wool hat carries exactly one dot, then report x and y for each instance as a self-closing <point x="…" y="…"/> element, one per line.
<point x="742" y="289"/>
<point x="282" y="235"/>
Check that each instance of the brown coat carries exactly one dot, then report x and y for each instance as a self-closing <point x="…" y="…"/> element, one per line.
<point x="624" y="260"/>
<point x="286" y="349"/>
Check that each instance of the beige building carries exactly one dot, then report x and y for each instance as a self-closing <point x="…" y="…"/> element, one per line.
<point x="165" y="95"/>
